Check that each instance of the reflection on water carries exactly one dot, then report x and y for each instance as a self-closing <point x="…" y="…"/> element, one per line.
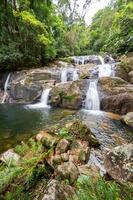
<point x="18" y="123"/>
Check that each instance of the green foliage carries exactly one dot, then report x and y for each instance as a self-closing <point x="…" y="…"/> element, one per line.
<point x="28" y="171"/>
<point x="111" y="29"/>
<point x="64" y="133"/>
<point x="87" y="189"/>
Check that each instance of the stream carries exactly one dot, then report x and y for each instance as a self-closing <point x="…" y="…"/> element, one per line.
<point x="20" y="122"/>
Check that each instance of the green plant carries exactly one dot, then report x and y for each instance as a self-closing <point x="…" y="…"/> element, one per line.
<point x="64" y="133"/>
<point x="87" y="189"/>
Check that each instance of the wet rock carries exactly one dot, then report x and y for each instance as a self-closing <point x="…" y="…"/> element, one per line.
<point x="119" y="163"/>
<point x="57" y="191"/>
<point x="79" y="151"/>
<point x="47" y="139"/>
<point x="67" y="170"/>
<point x="21" y="93"/>
<point x="62" y="146"/>
<point x="67" y="95"/>
<point x="10" y="157"/>
<point x="128" y="119"/>
<point x="121" y="103"/>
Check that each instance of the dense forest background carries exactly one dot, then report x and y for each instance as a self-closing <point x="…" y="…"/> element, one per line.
<point x="33" y="32"/>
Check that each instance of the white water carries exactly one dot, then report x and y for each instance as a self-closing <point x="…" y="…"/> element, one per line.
<point x="64" y="75"/>
<point x="5" y="88"/>
<point x="75" y="75"/>
<point x="105" y="70"/>
<point x="101" y="60"/>
<point x="43" y="101"/>
<point x="92" y="101"/>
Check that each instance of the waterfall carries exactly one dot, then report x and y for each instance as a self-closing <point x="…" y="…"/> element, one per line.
<point x="105" y="70"/>
<point x="5" y="88"/>
<point x="64" y="75"/>
<point x="75" y="75"/>
<point x="101" y="60"/>
<point x="43" y="101"/>
<point x="92" y="101"/>
<point x="83" y="60"/>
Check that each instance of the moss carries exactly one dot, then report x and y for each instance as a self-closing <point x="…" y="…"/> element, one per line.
<point x="79" y="130"/>
<point x="70" y="97"/>
<point x="66" y="59"/>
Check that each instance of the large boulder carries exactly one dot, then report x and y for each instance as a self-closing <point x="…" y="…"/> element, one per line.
<point x="119" y="163"/>
<point x="21" y="93"/>
<point x="121" y="103"/>
<point x="116" y="95"/>
<point x="67" y="95"/>
<point x="128" y="119"/>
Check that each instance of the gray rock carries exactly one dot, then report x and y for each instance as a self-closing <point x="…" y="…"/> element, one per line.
<point x="10" y="157"/>
<point x="119" y="163"/>
<point x="21" y="93"/>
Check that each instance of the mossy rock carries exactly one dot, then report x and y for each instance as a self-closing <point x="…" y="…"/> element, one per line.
<point x="79" y="130"/>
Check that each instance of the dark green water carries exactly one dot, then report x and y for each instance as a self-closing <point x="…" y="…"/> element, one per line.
<point x="18" y="123"/>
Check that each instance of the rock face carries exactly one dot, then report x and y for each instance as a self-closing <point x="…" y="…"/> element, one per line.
<point x="25" y="93"/>
<point x="122" y="103"/>
<point x="67" y="95"/>
<point x="128" y="119"/>
<point x="116" y="95"/>
<point x="119" y="163"/>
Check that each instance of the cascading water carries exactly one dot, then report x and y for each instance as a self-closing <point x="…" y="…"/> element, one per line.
<point x="75" y="75"/>
<point x="101" y="60"/>
<point x="64" y="75"/>
<point x="5" y="88"/>
<point x="43" y="101"/>
<point x="92" y="101"/>
<point x="105" y="69"/>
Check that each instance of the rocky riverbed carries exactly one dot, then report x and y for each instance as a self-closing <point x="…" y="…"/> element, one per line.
<point x="67" y="145"/>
